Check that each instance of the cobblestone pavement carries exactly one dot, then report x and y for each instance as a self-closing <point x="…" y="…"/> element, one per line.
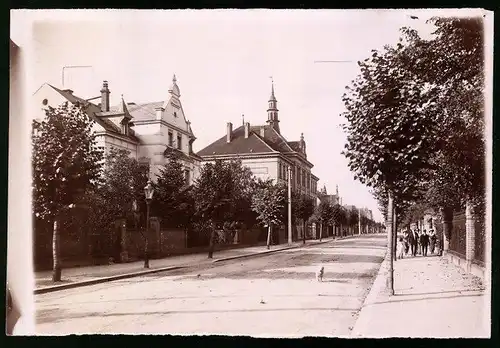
<point x="275" y="295"/>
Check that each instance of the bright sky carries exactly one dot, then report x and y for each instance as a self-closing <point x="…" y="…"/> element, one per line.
<point x="223" y="61"/>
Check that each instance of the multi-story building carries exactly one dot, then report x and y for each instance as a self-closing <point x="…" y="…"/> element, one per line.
<point x="149" y="131"/>
<point x="268" y="154"/>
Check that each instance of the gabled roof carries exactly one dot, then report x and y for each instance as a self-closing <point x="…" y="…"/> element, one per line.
<point x="145" y="111"/>
<point x="238" y="145"/>
<point x="93" y="111"/>
<point x="275" y="140"/>
<point x="271" y="142"/>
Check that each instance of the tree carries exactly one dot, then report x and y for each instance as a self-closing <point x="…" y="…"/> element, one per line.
<point x="170" y="193"/>
<point x="220" y="193"/>
<point x="268" y="202"/>
<point x="65" y="163"/>
<point x="323" y="214"/>
<point x="416" y="109"/>
<point x="123" y="182"/>
<point x="302" y="208"/>
<point x="352" y="218"/>
<point x="337" y="215"/>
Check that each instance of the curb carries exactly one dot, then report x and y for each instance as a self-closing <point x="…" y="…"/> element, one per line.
<point x="171" y="268"/>
<point x="102" y="280"/>
<point x="377" y="288"/>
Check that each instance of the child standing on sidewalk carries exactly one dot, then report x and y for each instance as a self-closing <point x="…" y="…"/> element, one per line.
<point x="401" y="248"/>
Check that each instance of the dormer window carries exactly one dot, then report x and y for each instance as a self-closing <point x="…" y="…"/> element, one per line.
<point x="175" y="114"/>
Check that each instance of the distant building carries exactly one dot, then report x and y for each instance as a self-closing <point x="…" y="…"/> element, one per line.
<point x="332" y="199"/>
<point x="366" y="213"/>
<point x="149" y="131"/>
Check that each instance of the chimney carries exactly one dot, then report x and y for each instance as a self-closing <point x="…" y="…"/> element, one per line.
<point x="229" y="131"/>
<point x="262" y="132"/>
<point x="247" y="129"/>
<point x="105" y="92"/>
<point x="159" y="113"/>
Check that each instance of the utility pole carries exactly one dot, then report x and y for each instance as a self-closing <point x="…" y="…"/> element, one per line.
<point x="290" y="205"/>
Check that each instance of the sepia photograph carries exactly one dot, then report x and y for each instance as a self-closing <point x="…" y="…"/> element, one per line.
<point x="262" y="173"/>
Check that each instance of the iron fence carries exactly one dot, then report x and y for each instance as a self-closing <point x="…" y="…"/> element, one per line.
<point x="480" y="239"/>
<point x="458" y="236"/>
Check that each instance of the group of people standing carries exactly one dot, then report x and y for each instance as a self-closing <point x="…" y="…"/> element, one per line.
<point x="417" y="243"/>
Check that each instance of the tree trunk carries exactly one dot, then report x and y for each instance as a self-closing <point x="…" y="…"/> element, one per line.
<point x="211" y="244"/>
<point x="304" y="229"/>
<point x="390" y="231"/>
<point x="395" y="234"/>
<point x="320" y="231"/>
<point x="56" y="255"/>
<point x="269" y="233"/>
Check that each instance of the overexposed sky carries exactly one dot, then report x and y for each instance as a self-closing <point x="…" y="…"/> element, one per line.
<point x="223" y="60"/>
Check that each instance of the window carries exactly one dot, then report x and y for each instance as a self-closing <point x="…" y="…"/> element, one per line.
<point x="179" y="142"/>
<point x="175" y="114"/>
<point x="170" y="138"/>
<point x="187" y="176"/>
<point x="279" y="171"/>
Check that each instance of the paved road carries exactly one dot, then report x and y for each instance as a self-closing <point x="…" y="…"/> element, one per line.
<point x="274" y="295"/>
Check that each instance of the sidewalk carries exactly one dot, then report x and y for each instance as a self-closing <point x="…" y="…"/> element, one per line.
<point x="89" y="274"/>
<point x="433" y="298"/>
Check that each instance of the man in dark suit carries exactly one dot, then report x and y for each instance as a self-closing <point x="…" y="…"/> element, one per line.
<point x="424" y="241"/>
<point x="415" y="242"/>
<point x="410" y="238"/>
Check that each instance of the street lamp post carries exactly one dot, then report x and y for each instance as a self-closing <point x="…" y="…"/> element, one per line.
<point x="289" y="205"/>
<point x="148" y="193"/>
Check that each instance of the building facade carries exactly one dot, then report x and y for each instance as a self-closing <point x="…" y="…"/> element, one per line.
<point x="149" y="131"/>
<point x="267" y="153"/>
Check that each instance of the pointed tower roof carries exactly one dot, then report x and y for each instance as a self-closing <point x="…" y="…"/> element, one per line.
<point x="122" y="108"/>
<point x="174" y="89"/>
<point x="272" y="97"/>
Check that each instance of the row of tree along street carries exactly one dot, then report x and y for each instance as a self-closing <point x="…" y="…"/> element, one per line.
<point x="415" y="123"/>
<point x="71" y="175"/>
